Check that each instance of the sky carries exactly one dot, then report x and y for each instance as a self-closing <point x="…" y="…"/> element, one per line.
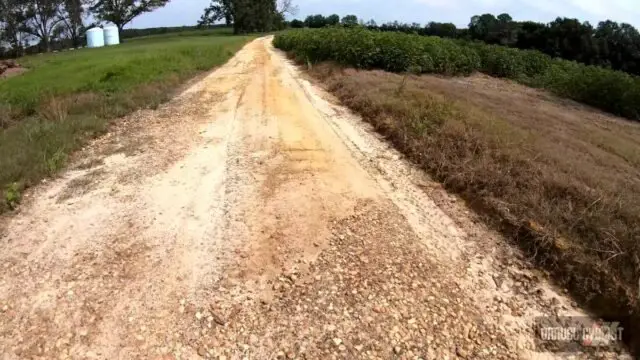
<point x="187" y="12"/>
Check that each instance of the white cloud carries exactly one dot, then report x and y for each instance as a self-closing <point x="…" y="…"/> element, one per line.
<point x="620" y="10"/>
<point x="492" y="3"/>
<point x="439" y="4"/>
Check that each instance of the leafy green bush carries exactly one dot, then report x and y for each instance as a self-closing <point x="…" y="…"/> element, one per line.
<point x="13" y="195"/>
<point x="609" y="90"/>
<point x="534" y="62"/>
<point x="613" y="91"/>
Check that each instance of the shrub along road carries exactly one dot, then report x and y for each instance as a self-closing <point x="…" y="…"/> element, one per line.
<point x="251" y="217"/>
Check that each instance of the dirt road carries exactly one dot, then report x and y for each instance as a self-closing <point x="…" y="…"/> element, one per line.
<point x="253" y="218"/>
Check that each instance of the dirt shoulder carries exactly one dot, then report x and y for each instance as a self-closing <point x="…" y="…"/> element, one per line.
<point x="253" y="217"/>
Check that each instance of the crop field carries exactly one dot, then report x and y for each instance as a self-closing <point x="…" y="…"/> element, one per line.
<point x="68" y="97"/>
<point x="613" y="91"/>
<point x="560" y="178"/>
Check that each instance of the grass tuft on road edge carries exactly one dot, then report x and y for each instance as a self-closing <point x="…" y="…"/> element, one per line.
<point x="67" y="98"/>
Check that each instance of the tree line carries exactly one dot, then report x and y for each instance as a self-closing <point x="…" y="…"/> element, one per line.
<point x="130" y="33"/>
<point x="609" y="44"/>
<point x="319" y="21"/>
<point x="45" y="24"/>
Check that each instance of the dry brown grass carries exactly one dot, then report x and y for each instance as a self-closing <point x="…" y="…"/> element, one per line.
<point x="7" y="117"/>
<point x="12" y="72"/>
<point x="54" y="109"/>
<point x="560" y="178"/>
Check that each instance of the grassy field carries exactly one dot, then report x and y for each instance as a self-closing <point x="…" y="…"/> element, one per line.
<point x="66" y="98"/>
<point x="189" y="33"/>
<point x="560" y="178"/>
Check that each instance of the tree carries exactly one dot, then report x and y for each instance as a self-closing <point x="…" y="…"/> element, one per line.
<point x="484" y="28"/>
<point x="297" y="24"/>
<point x="254" y="15"/>
<point x="350" y="20"/>
<point x="121" y="12"/>
<point x="505" y="18"/>
<point x="43" y="20"/>
<point x="507" y="30"/>
<point x="315" y="21"/>
<point x="248" y="15"/>
<point x="12" y="18"/>
<point x="217" y="11"/>
<point x="333" y="20"/>
<point x="532" y="35"/>
<point x="72" y="20"/>
<point x="494" y="30"/>
<point x="286" y="7"/>
<point x="570" y="39"/>
<point x="620" y="45"/>
<point x="448" y="30"/>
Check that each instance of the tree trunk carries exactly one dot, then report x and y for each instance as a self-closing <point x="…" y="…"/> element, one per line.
<point x="46" y="43"/>
<point x="120" y="30"/>
<point x="75" y="41"/>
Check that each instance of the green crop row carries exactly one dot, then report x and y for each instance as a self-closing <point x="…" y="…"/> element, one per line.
<point x="382" y="50"/>
<point x="613" y="91"/>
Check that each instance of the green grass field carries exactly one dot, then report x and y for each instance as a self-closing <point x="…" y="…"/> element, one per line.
<point x="69" y="97"/>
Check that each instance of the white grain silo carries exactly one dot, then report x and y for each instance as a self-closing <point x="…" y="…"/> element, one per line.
<point x="111" y="35"/>
<point x="95" y="38"/>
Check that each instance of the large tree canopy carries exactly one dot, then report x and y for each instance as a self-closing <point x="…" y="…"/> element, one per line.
<point x="43" y="20"/>
<point x="248" y="15"/>
<point x="350" y="20"/>
<point x="121" y="12"/>
<point x="12" y="18"/>
<point x="316" y="21"/>
<point x="218" y="10"/>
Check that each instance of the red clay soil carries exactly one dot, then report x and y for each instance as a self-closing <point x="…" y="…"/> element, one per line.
<point x="9" y="68"/>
